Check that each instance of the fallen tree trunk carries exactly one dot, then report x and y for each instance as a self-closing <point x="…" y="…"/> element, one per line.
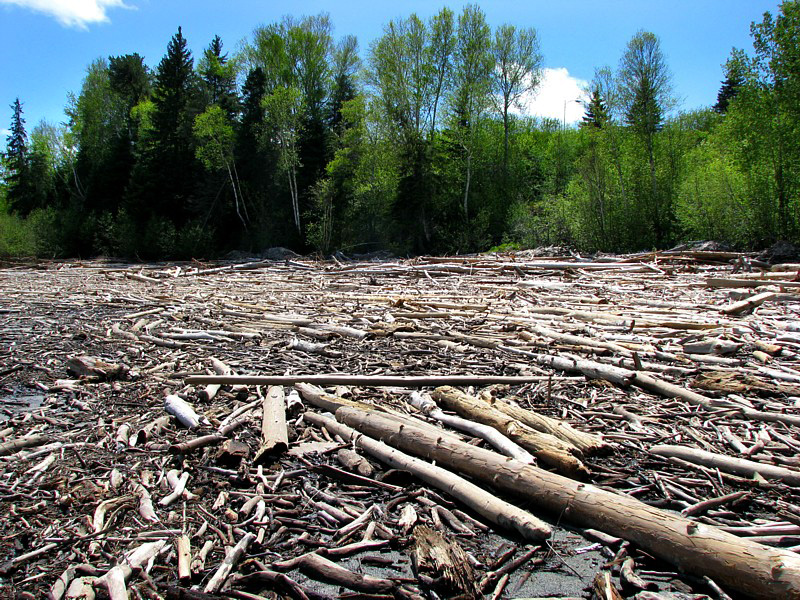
<point x="729" y="464"/>
<point x="645" y="381"/>
<point x="547" y="448"/>
<point x="587" y="443"/>
<point x="482" y="502"/>
<point x="750" y="568"/>
<point x="365" y="380"/>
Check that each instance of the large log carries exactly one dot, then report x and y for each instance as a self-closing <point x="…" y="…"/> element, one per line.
<point x="365" y="380"/>
<point x="545" y="447"/>
<point x="482" y="502"/>
<point x="587" y="443"/>
<point x="645" y="381"/>
<point x="729" y="464"/>
<point x="275" y="437"/>
<point x="748" y="567"/>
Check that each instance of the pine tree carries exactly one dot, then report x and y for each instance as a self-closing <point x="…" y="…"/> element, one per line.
<point x="596" y="111"/>
<point x="168" y="173"/>
<point x="730" y="87"/>
<point x="17" y="162"/>
<point x="219" y="77"/>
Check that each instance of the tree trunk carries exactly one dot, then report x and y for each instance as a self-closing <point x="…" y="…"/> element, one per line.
<point x="748" y="567"/>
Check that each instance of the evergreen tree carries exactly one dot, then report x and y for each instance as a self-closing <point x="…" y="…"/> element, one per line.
<point x="219" y="78"/>
<point x="17" y="162"/>
<point x="730" y="87"/>
<point x="596" y="111"/>
<point x="167" y="174"/>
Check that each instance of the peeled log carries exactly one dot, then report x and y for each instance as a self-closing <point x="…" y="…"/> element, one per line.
<point x="545" y="447"/>
<point x="729" y="464"/>
<point x="748" y="567"/>
<point x="585" y="442"/>
<point x="275" y="437"/>
<point x="482" y="502"/>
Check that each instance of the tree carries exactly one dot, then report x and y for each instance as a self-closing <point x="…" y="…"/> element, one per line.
<point x="645" y="87"/>
<point x="441" y="49"/>
<point x="219" y="78"/>
<point x="215" y="133"/>
<point x="17" y="162"/>
<point x="596" y="114"/>
<point x="472" y="84"/>
<point x="517" y="71"/>
<point x="734" y="79"/>
<point x="167" y="173"/>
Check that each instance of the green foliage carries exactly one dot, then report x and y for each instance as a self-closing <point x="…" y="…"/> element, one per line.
<point x="416" y="151"/>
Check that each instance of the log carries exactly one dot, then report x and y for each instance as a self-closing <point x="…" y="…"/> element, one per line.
<point x="485" y="504"/>
<point x="545" y="447"/>
<point x="753" y="569"/>
<point x="445" y="561"/>
<point x="586" y="443"/>
<point x="233" y="556"/>
<point x="182" y="411"/>
<point x="275" y="436"/>
<point x="366" y="380"/>
<point x="748" y="304"/>
<point x="729" y="464"/>
<point x="499" y="441"/>
<point x="626" y="377"/>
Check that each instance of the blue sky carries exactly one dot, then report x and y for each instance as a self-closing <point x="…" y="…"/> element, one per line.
<point x="47" y="44"/>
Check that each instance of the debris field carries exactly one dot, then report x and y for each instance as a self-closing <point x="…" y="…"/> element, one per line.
<point x="487" y="426"/>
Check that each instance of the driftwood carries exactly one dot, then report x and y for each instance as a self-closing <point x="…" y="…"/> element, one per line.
<point x="445" y="561"/>
<point x="473" y="496"/>
<point x="614" y="354"/>
<point x="275" y="438"/>
<point x="751" y="568"/>
<point x="547" y="448"/>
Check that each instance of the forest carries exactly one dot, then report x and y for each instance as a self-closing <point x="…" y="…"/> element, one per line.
<point x="413" y="145"/>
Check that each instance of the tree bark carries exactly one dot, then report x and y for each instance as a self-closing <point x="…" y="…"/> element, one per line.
<point x="482" y="502"/>
<point x="753" y="569"/>
<point x="543" y="446"/>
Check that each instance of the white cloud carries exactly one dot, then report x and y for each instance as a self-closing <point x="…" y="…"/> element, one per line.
<point x="4" y="133"/>
<point x="72" y="13"/>
<point x="556" y="97"/>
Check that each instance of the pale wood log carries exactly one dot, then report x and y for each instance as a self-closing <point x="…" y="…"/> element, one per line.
<point x="328" y="570"/>
<point x="182" y="411"/>
<point x="275" y="436"/>
<point x="231" y="560"/>
<point x="748" y="304"/>
<point x="750" y="568"/>
<point x="482" y="502"/>
<point x="586" y="443"/>
<point x="729" y="464"/>
<point x="15" y="445"/>
<point x="545" y="447"/>
<point x="626" y="377"/>
<point x="499" y="441"/>
<point x="183" y="548"/>
<point x="366" y="380"/>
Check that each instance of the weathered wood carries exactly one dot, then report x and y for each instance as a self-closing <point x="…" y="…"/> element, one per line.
<point x="274" y="435"/>
<point x="751" y="568"/>
<point x="365" y="380"/>
<point x="748" y="304"/>
<point x="482" y="502"/>
<point x="444" y="561"/>
<point x="729" y="464"/>
<point x="586" y="443"/>
<point x="545" y="447"/>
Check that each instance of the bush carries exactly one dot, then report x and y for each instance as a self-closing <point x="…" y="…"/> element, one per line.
<point x="17" y="237"/>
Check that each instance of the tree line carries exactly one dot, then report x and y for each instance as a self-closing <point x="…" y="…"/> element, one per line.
<point x="419" y="146"/>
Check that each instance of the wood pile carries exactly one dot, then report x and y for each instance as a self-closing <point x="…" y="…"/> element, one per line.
<point x="499" y="426"/>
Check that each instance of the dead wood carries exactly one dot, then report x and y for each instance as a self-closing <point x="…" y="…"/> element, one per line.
<point x="749" y="567"/>
<point x="547" y="448"/>
<point x="445" y="562"/>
